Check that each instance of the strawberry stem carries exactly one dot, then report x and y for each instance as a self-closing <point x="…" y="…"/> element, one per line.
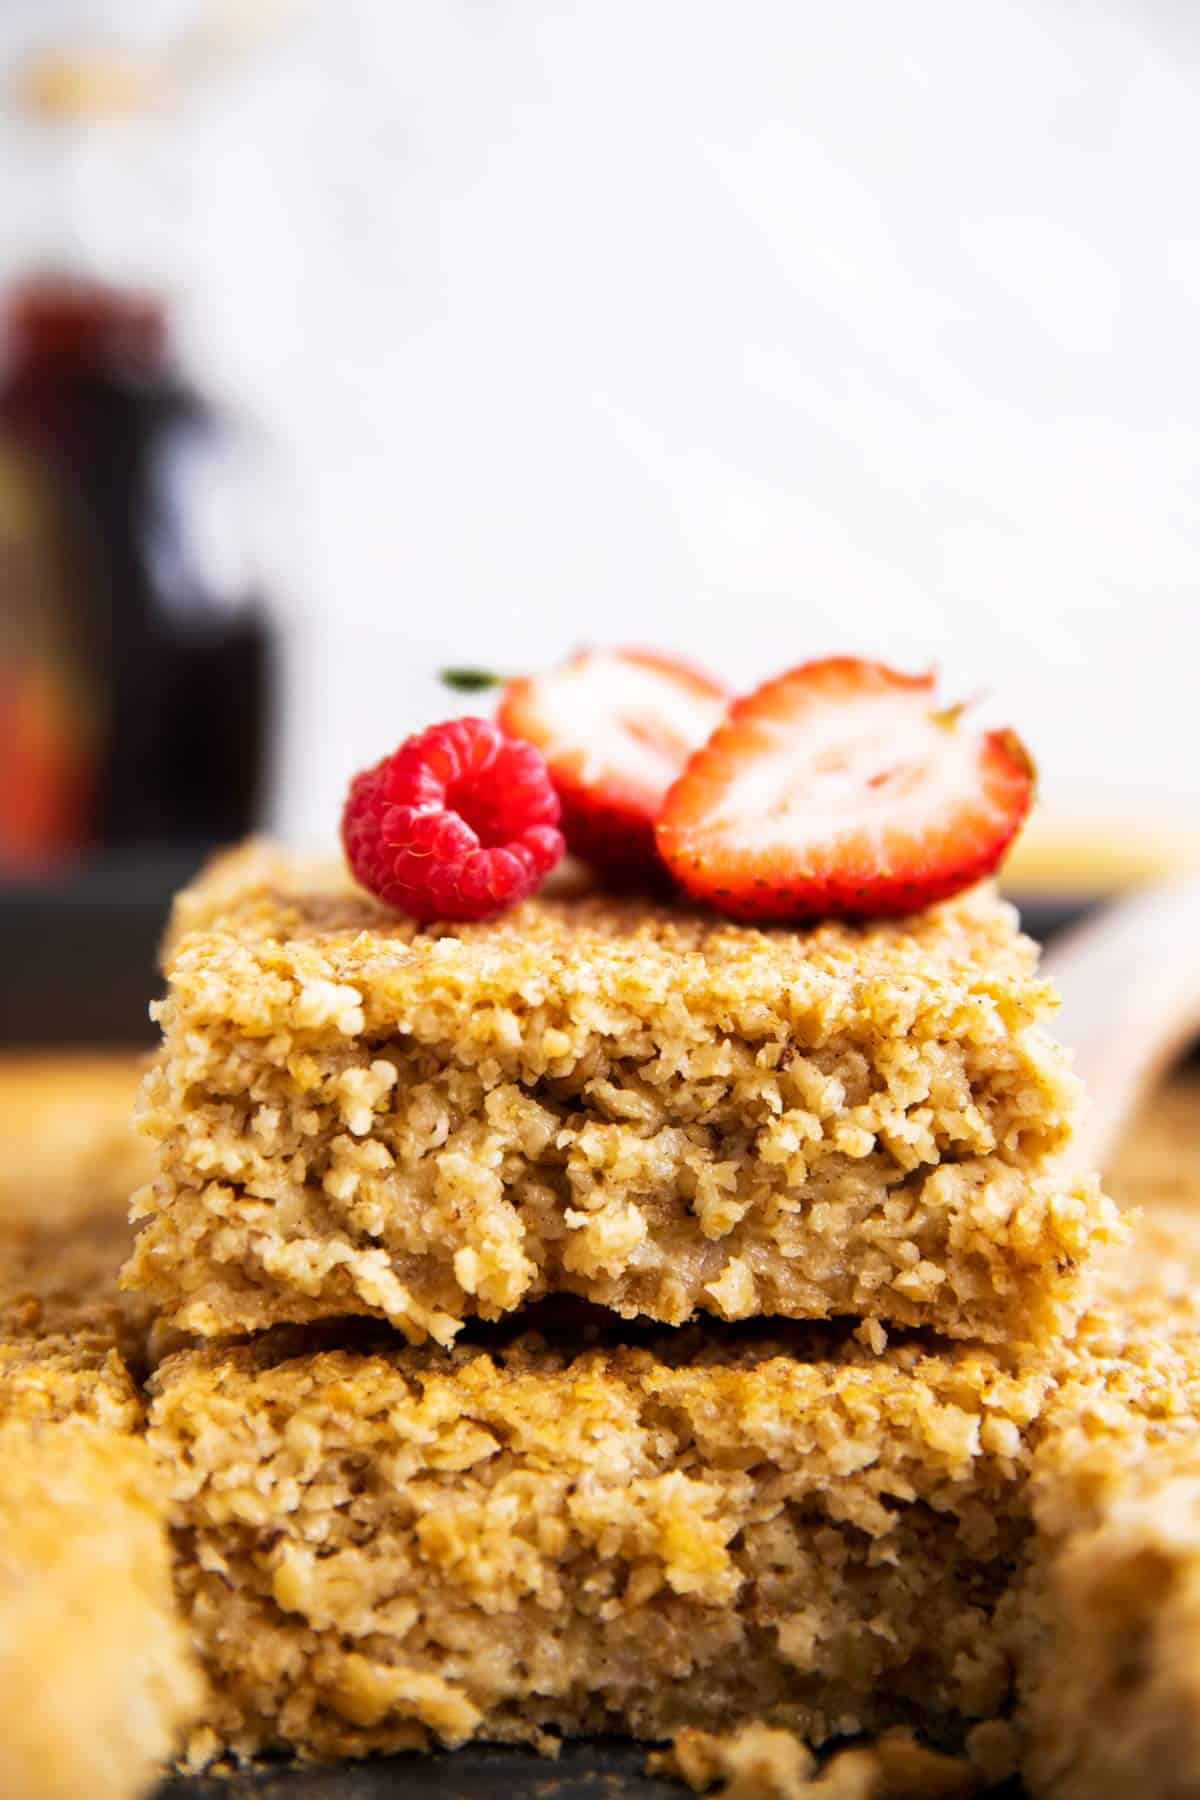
<point x="470" y="681"/>
<point x="949" y="716"/>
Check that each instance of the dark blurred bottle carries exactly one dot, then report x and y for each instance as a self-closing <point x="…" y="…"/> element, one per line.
<point x="136" y="665"/>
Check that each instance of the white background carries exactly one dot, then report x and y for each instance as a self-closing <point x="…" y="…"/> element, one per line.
<point x="755" y="327"/>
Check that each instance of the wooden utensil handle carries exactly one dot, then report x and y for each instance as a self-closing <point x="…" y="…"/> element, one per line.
<point x="1130" y="985"/>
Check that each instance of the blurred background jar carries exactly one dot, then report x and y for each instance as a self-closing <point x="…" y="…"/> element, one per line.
<point x="135" y="643"/>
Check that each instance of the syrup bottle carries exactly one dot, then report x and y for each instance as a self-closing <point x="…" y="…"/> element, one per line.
<point x="136" y="650"/>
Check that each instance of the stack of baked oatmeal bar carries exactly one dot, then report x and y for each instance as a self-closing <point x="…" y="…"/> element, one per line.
<point x="581" y="1516"/>
<point x="835" y="1151"/>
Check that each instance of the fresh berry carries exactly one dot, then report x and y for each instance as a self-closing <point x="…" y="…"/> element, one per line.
<point x="842" y="788"/>
<point x="457" y="823"/>
<point x="616" y="727"/>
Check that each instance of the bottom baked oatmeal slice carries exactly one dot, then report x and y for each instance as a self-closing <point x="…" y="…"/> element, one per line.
<point x="383" y="1548"/>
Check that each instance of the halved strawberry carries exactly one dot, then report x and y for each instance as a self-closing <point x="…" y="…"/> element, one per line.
<point x="615" y="727"/>
<point x="842" y="788"/>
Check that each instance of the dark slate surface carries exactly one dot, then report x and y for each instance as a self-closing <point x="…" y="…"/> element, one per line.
<point x="587" y="1771"/>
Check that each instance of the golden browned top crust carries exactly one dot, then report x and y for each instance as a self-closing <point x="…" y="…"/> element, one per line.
<point x="268" y="939"/>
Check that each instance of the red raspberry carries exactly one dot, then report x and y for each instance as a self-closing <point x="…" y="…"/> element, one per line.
<point x="457" y="823"/>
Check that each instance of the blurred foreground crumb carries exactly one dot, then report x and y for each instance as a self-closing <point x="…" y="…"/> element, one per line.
<point x="759" y="1762"/>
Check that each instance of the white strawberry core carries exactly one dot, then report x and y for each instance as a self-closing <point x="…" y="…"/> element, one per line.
<point x="882" y="766"/>
<point x="627" y="719"/>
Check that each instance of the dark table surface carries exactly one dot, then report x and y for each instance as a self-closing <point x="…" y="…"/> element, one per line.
<point x="599" y="1770"/>
<point x="584" y="1771"/>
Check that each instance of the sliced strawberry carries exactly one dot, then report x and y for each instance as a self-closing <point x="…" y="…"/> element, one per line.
<point x="615" y="727"/>
<point x="842" y="788"/>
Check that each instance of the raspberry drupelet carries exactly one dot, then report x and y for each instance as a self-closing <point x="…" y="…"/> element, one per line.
<point x="457" y="823"/>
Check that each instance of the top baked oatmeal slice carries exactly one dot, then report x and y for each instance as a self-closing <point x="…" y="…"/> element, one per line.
<point x="639" y="1103"/>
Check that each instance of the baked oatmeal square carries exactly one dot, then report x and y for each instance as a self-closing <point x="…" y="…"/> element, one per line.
<point x="384" y="1548"/>
<point x="641" y="1104"/>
